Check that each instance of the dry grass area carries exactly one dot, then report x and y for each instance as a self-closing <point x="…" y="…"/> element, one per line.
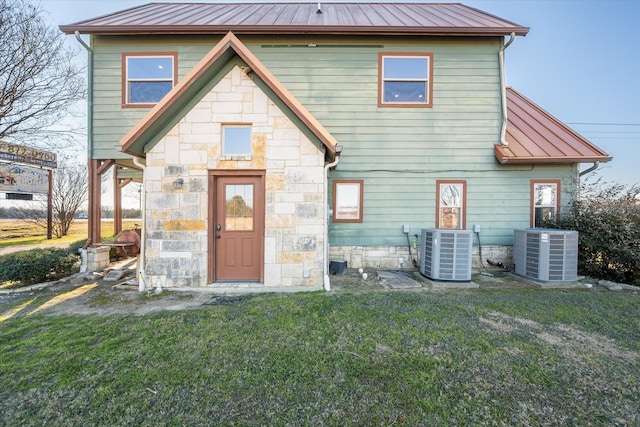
<point x="19" y="232"/>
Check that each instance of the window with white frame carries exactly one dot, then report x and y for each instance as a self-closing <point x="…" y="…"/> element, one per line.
<point x="236" y="140"/>
<point x="405" y="79"/>
<point x="148" y="77"/>
<point x="451" y="205"/>
<point x="545" y="202"/>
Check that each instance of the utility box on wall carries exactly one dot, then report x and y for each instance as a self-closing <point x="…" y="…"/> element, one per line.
<point x="547" y="255"/>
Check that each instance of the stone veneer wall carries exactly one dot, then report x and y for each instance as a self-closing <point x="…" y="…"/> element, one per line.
<point x="176" y="219"/>
<point x="388" y="257"/>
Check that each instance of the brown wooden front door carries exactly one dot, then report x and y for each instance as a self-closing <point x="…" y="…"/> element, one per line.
<point x="237" y="231"/>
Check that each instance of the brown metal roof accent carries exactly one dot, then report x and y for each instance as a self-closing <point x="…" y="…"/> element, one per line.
<point x="196" y="76"/>
<point x="300" y="18"/>
<point x="535" y="136"/>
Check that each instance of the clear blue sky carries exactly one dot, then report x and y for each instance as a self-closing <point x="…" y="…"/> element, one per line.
<point x="580" y="62"/>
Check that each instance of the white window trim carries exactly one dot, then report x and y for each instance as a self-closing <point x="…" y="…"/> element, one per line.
<point x="428" y="81"/>
<point x="125" y="74"/>
<point x="236" y="156"/>
<point x="535" y="185"/>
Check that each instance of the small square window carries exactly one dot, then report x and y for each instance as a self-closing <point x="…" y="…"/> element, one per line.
<point x="236" y="140"/>
<point x="545" y="202"/>
<point x="451" y="197"/>
<point x="147" y="78"/>
<point x="405" y="79"/>
<point x="347" y="200"/>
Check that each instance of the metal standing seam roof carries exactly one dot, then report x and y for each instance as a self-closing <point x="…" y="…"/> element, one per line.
<point x="300" y="18"/>
<point x="535" y="136"/>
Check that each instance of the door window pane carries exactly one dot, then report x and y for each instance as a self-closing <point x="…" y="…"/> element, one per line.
<point x="239" y="207"/>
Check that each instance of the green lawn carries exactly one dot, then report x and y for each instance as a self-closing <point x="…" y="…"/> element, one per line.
<point x="392" y="358"/>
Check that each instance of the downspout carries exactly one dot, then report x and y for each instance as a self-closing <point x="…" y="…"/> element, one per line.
<point x="595" y="166"/>
<point x="143" y="229"/>
<point x="503" y="90"/>
<point x="89" y="122"/>
<point x="89" y="93"/>
<point x="325" y="258"/>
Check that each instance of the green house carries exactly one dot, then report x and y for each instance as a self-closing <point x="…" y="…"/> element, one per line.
<point x="272" y="138"/>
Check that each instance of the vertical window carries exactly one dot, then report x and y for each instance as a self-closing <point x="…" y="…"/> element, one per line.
<point x="147" y="77"/>
<point x="545" y="202"/>
<point x="239" y="207"/>
<point x="405" y="79"/>
<point x="451" y="204"/>
<point x="347" y="200"/>
<point x="236" y="140"/>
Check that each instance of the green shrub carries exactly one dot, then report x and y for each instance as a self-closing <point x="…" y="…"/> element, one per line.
<point x="607" y="216"/>
<point x="37" y="265"/>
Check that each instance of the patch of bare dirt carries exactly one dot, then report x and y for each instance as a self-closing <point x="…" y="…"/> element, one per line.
<point x="571" y="341"/>
<point x="91" y="294"/>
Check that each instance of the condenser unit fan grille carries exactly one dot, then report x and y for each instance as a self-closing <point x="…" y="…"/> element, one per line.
<point x="446" y="254"/>
<point x="547" y="255"/>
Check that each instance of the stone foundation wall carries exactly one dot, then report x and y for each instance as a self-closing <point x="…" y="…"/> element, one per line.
<point x="495" y="253"/>
<point x="390" y="257"/>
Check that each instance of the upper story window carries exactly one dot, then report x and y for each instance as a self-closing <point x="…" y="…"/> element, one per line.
<point x="405" y="79"/>
<point x="147" y="77"/>
<point x="545" y="202"/>
<point x="236" y="140"/>
<point x="451" y="204"/>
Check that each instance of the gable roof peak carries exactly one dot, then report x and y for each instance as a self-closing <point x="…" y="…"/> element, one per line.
<point x="135" y="141"/>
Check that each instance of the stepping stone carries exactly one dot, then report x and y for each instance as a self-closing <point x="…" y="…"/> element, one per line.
<point x="113" y="275"/>
<point x="397" y="280"/>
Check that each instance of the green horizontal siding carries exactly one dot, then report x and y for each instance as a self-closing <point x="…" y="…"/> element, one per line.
<point x="498" y="200"/>
<point x="111" y="121"/>
<point x="398" y="152"/>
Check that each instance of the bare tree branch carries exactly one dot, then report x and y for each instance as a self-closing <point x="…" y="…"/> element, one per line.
<point x="39" y="81"/>
<point x="70" y="189"/>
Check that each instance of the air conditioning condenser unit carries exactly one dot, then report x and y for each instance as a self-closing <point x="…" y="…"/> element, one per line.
<point x="446" y="254"/>
<point x="546" y="255"/>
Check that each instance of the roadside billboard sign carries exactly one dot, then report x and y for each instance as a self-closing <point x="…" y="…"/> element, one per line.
<point x="28" y="155"/>
<point x="23" y="179"/>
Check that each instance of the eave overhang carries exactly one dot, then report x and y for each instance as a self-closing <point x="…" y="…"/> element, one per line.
<point x="291" y="30"/>
<point x="534" y="136"/>
<point x="221" y="57"/>
<point x="505" y="155"/>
